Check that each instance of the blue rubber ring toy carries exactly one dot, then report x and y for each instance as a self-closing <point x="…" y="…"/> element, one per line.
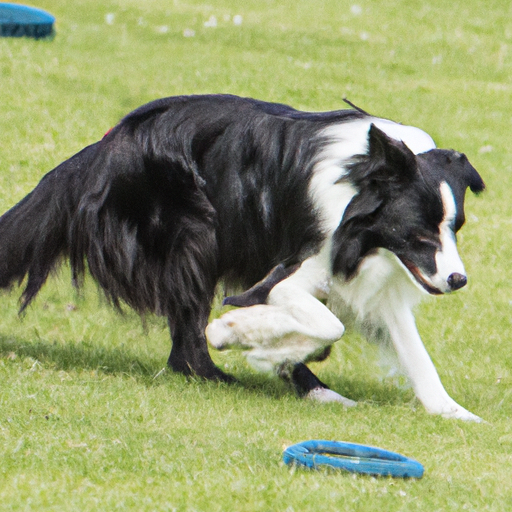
<point x="352" y="457"/>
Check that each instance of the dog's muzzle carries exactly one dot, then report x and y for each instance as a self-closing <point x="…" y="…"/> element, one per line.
<point x="434" y="285"/>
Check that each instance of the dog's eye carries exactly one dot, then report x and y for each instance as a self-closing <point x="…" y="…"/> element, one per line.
<point x="431" y="242"/>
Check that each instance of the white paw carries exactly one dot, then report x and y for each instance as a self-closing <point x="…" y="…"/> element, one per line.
<point x="450" y="409"/>
<point x="220" y="334"/>
<point x="325" y="395"/>
<point x="462" y="414"/>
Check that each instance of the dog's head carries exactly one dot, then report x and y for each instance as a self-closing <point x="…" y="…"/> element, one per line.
<point x="411" y="205"/>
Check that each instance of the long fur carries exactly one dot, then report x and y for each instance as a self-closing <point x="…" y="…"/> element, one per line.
<point x="187" y="191"/>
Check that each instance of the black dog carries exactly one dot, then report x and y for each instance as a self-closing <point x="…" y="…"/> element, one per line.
<point x="185" y="192"/>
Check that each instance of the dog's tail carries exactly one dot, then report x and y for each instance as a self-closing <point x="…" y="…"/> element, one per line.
<point x="34" y="234"/>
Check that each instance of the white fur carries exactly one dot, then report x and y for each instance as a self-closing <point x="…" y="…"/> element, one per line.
<point x="328" y="396"/>
<point x="290" y="327"/>
<point x="415" y="139"/>
<point x="294" y="324"/>
<point x="447" y="259"/>
<point x="381" y="299"/>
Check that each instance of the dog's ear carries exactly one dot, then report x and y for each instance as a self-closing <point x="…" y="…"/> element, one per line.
<point x="466" y="173"/>
<point x="463" y="175"/>
<point x="388" y="163"/>
<point x="353" y="238"/>
<point x="379" y="175"/>
<point x="350" y="245"/>
<point x="453" y="167"/>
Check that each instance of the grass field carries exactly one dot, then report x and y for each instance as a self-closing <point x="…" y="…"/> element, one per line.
<point x="87" y="419"/>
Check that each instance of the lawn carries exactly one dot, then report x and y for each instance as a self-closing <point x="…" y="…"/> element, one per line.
<point x="88" y="419"/>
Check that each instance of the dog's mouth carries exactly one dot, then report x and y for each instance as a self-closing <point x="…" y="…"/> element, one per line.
<point x="420" y="278"/>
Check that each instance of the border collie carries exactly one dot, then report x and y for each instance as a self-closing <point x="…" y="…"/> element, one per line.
<point x="319" y="216"/>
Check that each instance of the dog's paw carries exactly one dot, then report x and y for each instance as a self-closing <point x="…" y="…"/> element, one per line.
<point x="325" y="395"/>
<point x="459" y="413"/>
<point x="450" y="409"/>
<point x="220" y="333"/>
<point x="231" y="331"/>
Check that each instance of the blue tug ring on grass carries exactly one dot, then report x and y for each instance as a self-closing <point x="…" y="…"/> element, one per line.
<point x="22" y="21"/>
<point x="352" y="457"/>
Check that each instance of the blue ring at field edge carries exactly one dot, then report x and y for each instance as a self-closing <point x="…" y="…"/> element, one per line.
<point x="352" y="457"/>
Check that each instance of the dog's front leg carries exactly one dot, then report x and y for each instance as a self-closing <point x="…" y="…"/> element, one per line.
<point x="291" y="328"/>
<point x="420" y="368"/>
<point x="278" y="336"/>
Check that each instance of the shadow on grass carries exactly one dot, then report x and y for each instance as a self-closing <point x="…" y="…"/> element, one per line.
<point x="370" y="391"/>
<point x="84" y="356"/>
<point x="118" y="361"/>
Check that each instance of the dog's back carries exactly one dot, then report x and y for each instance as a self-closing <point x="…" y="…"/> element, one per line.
<point x="246" y="164"/>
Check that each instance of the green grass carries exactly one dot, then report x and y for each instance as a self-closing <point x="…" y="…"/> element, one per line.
<point x="87" y="419"/>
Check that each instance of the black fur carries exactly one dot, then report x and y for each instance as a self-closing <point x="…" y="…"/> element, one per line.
<point x="258" y="294"/>
<point x="183" y="192"/>
<point x="302" y="378"/>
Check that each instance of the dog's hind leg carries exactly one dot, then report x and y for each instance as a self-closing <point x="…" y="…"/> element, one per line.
<point x="188" y="312"/>
<point x="189" y="353"/>
<point x="193" y="285"/>
<point x="309" y="386"/>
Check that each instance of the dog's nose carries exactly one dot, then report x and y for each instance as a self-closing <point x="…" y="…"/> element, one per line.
<point x="456" y="281"/>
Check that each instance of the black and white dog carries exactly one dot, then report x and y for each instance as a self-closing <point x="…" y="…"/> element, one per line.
<point x="186" y="192"/>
